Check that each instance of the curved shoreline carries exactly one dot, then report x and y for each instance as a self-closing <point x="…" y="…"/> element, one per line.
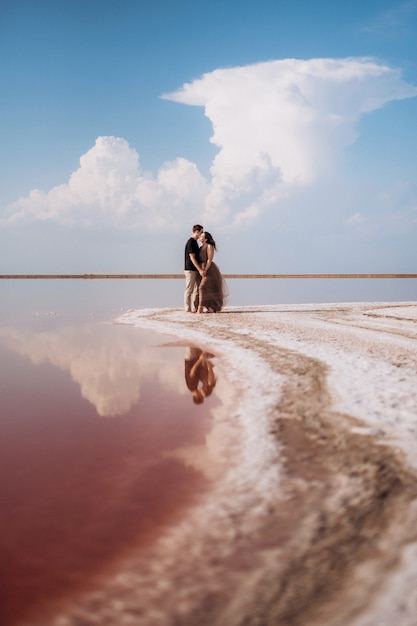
<point x="312" y="523"/>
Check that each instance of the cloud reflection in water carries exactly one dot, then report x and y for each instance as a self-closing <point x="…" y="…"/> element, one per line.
<point x="109" y="367"/>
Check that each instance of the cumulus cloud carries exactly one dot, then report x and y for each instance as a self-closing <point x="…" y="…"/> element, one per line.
<point x="278" y="125"/>
<point x="110" y="188"/>
<point x="283" y="123"/>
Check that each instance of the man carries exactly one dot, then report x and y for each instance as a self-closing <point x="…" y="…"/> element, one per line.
<point x="192" y="270"/>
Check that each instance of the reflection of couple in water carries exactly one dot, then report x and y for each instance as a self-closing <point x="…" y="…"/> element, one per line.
<point x="199" y="373"/>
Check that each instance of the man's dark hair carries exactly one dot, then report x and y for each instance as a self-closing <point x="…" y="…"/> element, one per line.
<point x="197" y="227"/>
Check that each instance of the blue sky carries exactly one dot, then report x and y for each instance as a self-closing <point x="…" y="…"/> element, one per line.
<point x="289" y="129"/>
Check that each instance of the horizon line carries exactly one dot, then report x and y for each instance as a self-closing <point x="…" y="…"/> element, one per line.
<point x="95" y="276"/>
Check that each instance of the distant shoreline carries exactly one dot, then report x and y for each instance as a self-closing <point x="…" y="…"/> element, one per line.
<point x="101" y="276"/>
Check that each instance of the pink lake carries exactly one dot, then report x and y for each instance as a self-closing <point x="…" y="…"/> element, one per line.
<point x="91" y="417"/>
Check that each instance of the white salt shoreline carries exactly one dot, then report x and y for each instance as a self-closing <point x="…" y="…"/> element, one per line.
<point x="370" y="350"/>
<point x="312" y="518"/>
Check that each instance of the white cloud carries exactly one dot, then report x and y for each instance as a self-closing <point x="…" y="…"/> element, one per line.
<point x="283" y="123"/>
<point x="278" y="125"/>
<point x="357" y="218"/>
<point x="109" y="188"/>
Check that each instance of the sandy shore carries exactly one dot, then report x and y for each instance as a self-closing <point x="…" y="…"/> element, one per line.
<point x="312" y="514"/>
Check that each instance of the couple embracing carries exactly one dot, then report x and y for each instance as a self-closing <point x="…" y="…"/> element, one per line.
<point x="204" y="284"/>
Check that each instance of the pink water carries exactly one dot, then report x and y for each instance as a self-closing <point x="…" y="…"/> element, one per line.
<point x="90" y="418"/>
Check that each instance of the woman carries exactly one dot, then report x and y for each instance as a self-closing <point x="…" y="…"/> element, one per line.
<point x="212" y="288"/>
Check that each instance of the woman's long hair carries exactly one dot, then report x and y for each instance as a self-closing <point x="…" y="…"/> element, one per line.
<point x="210" y="240"/>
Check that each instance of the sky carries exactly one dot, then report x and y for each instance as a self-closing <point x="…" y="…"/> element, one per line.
<point x="287" y="128"/>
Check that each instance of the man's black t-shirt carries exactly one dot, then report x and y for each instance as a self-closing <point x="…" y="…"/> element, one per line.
<point x="191" y="247"/>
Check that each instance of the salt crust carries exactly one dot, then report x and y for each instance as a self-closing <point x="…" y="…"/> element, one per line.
<point x="371" y="353"/>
